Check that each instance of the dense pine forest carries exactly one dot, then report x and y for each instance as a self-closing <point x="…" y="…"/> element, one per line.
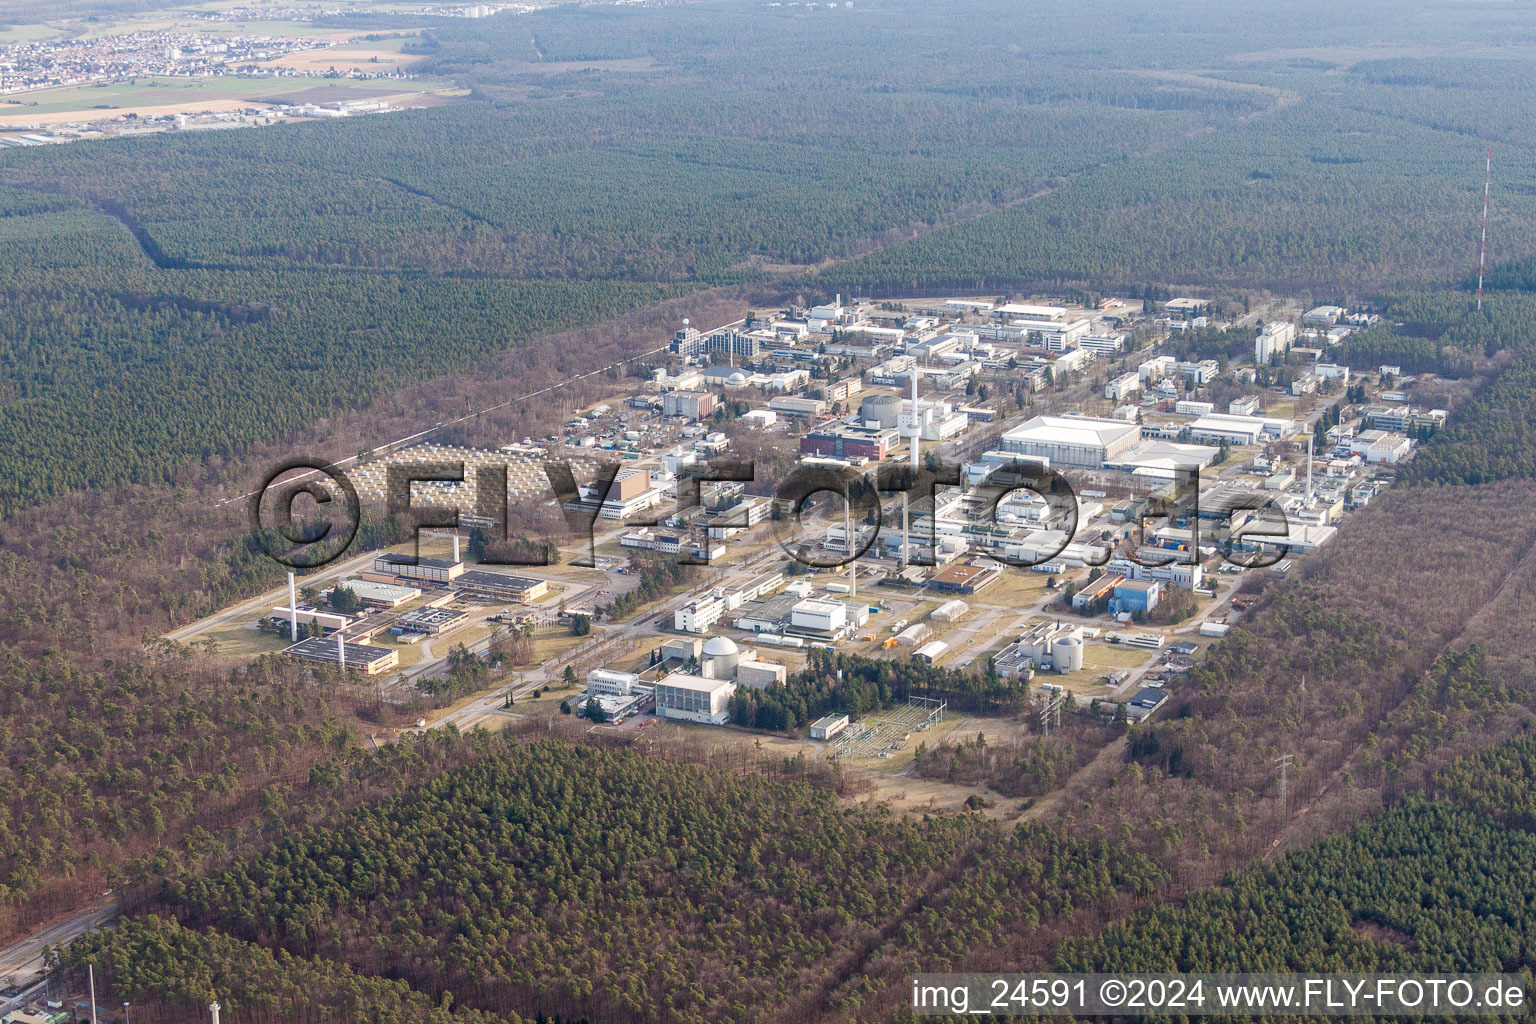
<point x="169" y="304"/>
<point x="169" y="301"/>
<point x="578" y="881"/>
<point x="1432" y="885"/>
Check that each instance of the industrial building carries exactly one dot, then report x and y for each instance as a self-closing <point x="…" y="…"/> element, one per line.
<point x="328" y="621"/>
<point x="1100" y="589"/>
<point x="829" y="726"/>
<point x="1046" y="646"/>
<point x="1377" y="447"/>
<point x="494" y="586"/>
<point x="631" y="492"/>
<point x="1146" y="701"/>
<point x="433" y="621"/>
<point x="430" y="570"/>
<point x="1136" y="596"/>
<point x="847" y="441"/>
<point x="798" y="408"/>
<point x="819" y="616"/>
<point x="1185" y="308"/>
<point x="688" y="405"/>
<point x="1086" y="442"/>
<point x="1218" y="428"/>
<point x="964" y="579"/>
<point x="694" y="698"/>
<point x="365" y="658"/>
<point x="380" y="595"/>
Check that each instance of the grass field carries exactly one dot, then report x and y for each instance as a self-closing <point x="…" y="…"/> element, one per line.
<point x="241" y="643"/>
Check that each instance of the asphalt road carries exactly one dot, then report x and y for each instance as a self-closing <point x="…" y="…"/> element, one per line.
<point x="24" y="959"/>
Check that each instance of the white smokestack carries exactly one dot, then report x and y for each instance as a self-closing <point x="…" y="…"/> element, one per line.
<point x="455" y="545"/>
<point x="341" y="649"/>
<point x="853" y="569"/>
<point x="293" y="612"/>
<point x="1310" y="438"/>
<point x="213" y="1012"/>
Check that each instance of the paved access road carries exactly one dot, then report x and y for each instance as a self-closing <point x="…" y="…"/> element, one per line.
<point x="24" y="959"/>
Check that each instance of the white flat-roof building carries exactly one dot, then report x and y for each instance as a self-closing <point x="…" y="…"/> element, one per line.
<point x="1026" y="311"/>
<point x="1155" y="369"/>
<point x="822" y="616"/>
<point x="611" y="682"/>
<point x="1122" y="387"/>
<point x="1083" y="441"/>
<point x="698" y="615"/>
<point x="826" y="728"/>
<point x="694" y="698"/>
<point x="380" y="595"/>
<point x="1273" y="339"/>
<point x="1104" y="343"/>
<point x="1219" y="427"/>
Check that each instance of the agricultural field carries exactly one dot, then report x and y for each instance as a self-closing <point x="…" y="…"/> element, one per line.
<point x="165" y="96"/>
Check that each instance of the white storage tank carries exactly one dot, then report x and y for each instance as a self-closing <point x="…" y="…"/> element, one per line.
<point x="1067" y="654"/>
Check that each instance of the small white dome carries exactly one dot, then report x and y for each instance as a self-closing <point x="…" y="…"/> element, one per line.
<point x="738" y="378"/>
<point x="720" y="647"/>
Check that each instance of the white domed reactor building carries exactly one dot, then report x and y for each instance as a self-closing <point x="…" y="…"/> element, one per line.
<point x="720" y="658"/>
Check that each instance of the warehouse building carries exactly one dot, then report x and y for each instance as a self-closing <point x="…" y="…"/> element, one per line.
<point x="930" y="652"/>
<point x="1086" y="442"/>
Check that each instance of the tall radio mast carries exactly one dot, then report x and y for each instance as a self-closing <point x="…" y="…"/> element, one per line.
<point x="1482" y="257"/>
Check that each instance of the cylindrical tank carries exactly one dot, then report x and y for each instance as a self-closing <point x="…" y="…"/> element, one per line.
<point x="881" y="410"/>
<point x="1067" y="654"/>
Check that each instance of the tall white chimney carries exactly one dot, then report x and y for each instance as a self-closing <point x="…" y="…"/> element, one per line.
<point x="455" y="545"/>
<point x="293" y="611"/>
<point x="915" y="428"/>
<point x="853" y="568"/>
<point x="213" y="1012"/>
<point x="1310" y="438"/>
<point x="341" y="649"/>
